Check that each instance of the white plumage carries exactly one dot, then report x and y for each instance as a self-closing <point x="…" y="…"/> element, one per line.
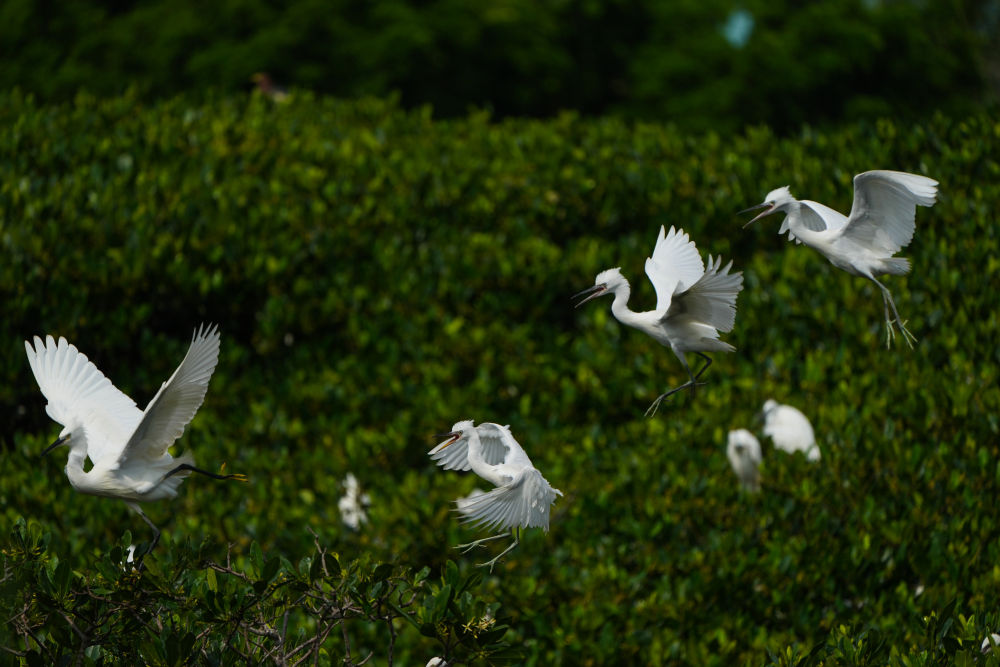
<point x="522" y="497"/>
<point x="989" y="641"/>
<point x="881" y="223"/>
<point x="353" y="504"/>
<point x="790" y="430"/>
<point x="743" y="452"/>
<point x="694" y="302"/>
<point x="128" y="447"/>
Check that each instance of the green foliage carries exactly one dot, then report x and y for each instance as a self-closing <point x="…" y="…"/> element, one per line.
<point x="177" y="606"/>
<point x="801" y="62"/>
<point x="379" y="275"/>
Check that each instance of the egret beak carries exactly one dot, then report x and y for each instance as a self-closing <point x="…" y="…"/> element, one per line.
<point x="453" y="437"/>
<point x="767" y="205"/>
<point x="55" y="444"/>
<point x="593" y="292"/>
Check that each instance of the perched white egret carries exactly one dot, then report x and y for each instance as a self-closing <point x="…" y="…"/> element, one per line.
<point x="522" y="497"/>
<point x="743" y="452"/>
<point x="353" y="503"/>
<point x="128" y="447"/>
<point x="989" y="641"/>
<point x="789" y="429"/>
<point x="693" y="302"/>
<point x="863" y="244"/>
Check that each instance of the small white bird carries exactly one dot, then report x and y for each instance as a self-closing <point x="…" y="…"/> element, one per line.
<point x="991" y="640"/>
<point x="743" y="452"/>
<point x="863" y="244"/>
<point x="789" y="429"/>
<point x="128" y="447"/>
<point x="353" y="503"/>
<point x="693" y="302"/>
<point x="522" y="497"/>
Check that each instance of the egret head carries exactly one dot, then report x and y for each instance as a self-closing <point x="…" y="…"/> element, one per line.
<point x="740" y="442"/>
<point x="459" y="431"/>
<point x="776" y="200"/>
<point x="769" y="405"/>
<point x="605" y="283"/>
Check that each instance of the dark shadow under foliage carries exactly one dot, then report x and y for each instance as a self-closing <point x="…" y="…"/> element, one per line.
<point x="812" y="62"/>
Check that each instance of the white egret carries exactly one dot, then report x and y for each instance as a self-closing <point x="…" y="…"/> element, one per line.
<point x="863" y="244"/>
<point x="693" y="302"/>
<point x="128" y="447"/>
<point x="789" y="429"/>
<point x="522" y="497"/>
<point x="743" y="452"/>
<point x="353" y="503"/>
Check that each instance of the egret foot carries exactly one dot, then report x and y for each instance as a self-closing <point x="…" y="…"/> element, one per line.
<point x="466" y="548"/>
<point x="651" y="411"/>
<point x="503" y="553"/>
<point x="890" y="334"/>
<point x="907" y="336"/>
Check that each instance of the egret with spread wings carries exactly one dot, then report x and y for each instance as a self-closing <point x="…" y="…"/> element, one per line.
<point x="522" y="497"/>
<point x="863" y="244"/>
<point x="127" y="446"/>
<point x="694" y="302"/>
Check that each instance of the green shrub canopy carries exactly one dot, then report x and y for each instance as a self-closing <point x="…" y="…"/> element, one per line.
<point x="378" y="275"/>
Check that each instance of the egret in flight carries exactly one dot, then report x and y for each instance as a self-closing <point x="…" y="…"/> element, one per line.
<point x="789" y="429"/>
<point x="863" y="244"/>
<point x="693" y="302"/>
<point x="743" y="452"/>
<point x="522" y="497"/>
<point x="127" y="447"/>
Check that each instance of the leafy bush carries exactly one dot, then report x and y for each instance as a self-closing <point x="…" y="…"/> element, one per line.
<point x="379" y="275"/>
<point x="794" y="62"/>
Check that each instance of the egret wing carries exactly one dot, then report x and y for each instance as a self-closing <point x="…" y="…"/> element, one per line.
<point x="499" y="445"/>
<point x="523" y="502"/>
<point x="79" y="394"/>
<point x="674" y="266"/>
<point x="884" y="209"/>
<point x="179" y="398"/>
<point x="456" y="456"/>
<point x="816" y="217"/>
<point x="711" y="300"/>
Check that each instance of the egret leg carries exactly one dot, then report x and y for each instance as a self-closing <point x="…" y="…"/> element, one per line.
<point x="900" y="324"/>
<point x="186" y="466"/>
<point x="156" y="531"/>
<point x="692" y="383"/>
<point x="516" y="533"/>
<point x="478" y="543"/>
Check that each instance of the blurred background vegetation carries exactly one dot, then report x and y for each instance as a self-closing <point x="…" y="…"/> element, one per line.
<point x="702" y="64"/>
<point x="385" y="265"/>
